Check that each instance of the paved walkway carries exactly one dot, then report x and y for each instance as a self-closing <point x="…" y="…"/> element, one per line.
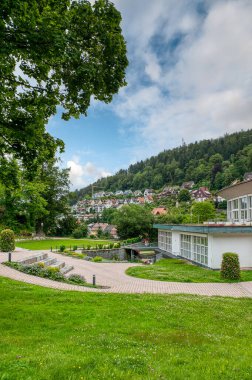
<point x="113" y="276"/>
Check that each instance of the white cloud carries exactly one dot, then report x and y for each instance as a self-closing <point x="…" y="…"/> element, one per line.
<point x="83" y="174"/>
<point x="201" y="88"/>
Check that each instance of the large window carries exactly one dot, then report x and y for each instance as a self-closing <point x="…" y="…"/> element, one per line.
<point x="250" y="207"/>
<point x="185" y="246"/>
<point x="244" y="208"/>
<point x="165" y="241"/>
<point x="240" y="209"/>
<point x="194" y="248"/>
<point x="200" y="250"/>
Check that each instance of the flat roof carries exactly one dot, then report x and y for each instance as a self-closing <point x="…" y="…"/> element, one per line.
<point x="206" y="229"/>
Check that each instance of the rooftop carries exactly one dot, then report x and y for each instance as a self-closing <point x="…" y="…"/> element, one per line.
<point x="214" y="228"/>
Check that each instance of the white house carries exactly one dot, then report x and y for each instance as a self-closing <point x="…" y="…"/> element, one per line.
<point x="205" y="244"/>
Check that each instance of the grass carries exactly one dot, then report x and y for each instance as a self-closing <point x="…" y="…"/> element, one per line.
<point x="48" y="243"/>
<point x="54" y="335"/>
<point x="181" y="271"/>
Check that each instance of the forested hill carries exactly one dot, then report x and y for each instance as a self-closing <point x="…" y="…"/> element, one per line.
<point x="214" y="163"/>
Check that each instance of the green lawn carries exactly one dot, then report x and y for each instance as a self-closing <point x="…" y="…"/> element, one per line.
<point x="48" y="243"/>
<point x="180" y="271"/>
<point x="54" y="335"/>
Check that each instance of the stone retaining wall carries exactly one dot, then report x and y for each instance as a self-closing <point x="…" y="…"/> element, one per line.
<point x="108" y="254"/>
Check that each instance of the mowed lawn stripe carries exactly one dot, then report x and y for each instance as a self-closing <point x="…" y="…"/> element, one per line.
<point x="48" y="243"/>
<point x="48" y="334"/>
<point x="178" y="270"/>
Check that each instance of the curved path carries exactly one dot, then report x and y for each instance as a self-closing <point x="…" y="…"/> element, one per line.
<point x="113" y="276"/>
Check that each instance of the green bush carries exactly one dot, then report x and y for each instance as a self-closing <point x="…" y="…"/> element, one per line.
<point x="116" y="245"/>
<point x="230" y="266"/>
<point x="77" y="233"/>
<point x="77" y="279"/>
<point x="100" y="246"/>
<point x="62" y="248"/>
<point x="7" y="241"/>
<point x="97" y="259"/>
<point x="75" y="247"/>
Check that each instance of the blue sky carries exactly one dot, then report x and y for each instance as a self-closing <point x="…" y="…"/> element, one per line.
<point x="189" y="77"/>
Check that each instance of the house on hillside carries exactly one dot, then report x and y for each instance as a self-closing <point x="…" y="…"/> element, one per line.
<point x="247" y="176"/>
<point x="93" y="228"/>
<point x="138" y="193"/>
<point x="168" y="191"/>
<point x="112" y="230"/>
<point x="159" y="211"/>
<point x="119" y="192"/>
<point x="200" y="195"/>
<point x="187" y="185"/>
<point x="148" y="192"/>
<point x="205" y="244"/>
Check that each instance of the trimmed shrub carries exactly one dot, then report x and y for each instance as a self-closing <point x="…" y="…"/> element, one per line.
<point x="7" y="241"/>
<point x="62" y="248"/>
<point x="75" y="247"/>
<point x="97" y="259"/>
<point x="230" y="266"/>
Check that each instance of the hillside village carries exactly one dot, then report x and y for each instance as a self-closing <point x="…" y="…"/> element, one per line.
<point x="87" y="209"/>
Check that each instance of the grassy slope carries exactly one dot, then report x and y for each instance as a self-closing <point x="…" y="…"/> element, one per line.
<point x="180" y="271"/>
<point x="48" y="243"/>
<point x="47" y="334"/>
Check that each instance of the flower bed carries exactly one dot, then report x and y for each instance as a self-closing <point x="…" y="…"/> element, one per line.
<point x="50" y="273"/>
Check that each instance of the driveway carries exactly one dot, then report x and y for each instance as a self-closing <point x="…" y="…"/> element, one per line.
<point x="113" y="275"/>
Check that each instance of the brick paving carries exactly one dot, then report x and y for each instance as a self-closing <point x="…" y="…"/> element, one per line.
<point x="113" y="275"/>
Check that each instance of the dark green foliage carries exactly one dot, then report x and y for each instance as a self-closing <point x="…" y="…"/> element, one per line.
<point x="184" y="196"/>
<point x="66" y="225"/>
<point x="214" y="163"/>
<point x="7" y="241"/>
<point x="75" y="247"/>
<point x="133" y="220"/>
<point x="80" y="232"/>
<point x="230" y="266"/>
<point x="62" y="248"/>
<point x="57" y="44"/>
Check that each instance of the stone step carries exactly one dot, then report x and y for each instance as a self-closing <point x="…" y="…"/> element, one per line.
<point x="66" y="269"/>
<point x="48" y="262"/>
<point x="33" y="259"/>
<point x="58" y="264"/>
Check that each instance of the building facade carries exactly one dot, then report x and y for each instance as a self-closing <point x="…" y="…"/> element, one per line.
<point x="205" y="244"/>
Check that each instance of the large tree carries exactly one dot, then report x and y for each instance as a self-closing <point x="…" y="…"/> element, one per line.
<point x="54" y="53"/>
<point x="133" y="221"/>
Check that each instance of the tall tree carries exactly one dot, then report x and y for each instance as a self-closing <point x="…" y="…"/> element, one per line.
<point x="54" y="52"/>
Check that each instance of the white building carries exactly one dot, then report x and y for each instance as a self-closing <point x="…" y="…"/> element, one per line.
<point x="239" y="201"/>
<point x="205" y="244"/>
